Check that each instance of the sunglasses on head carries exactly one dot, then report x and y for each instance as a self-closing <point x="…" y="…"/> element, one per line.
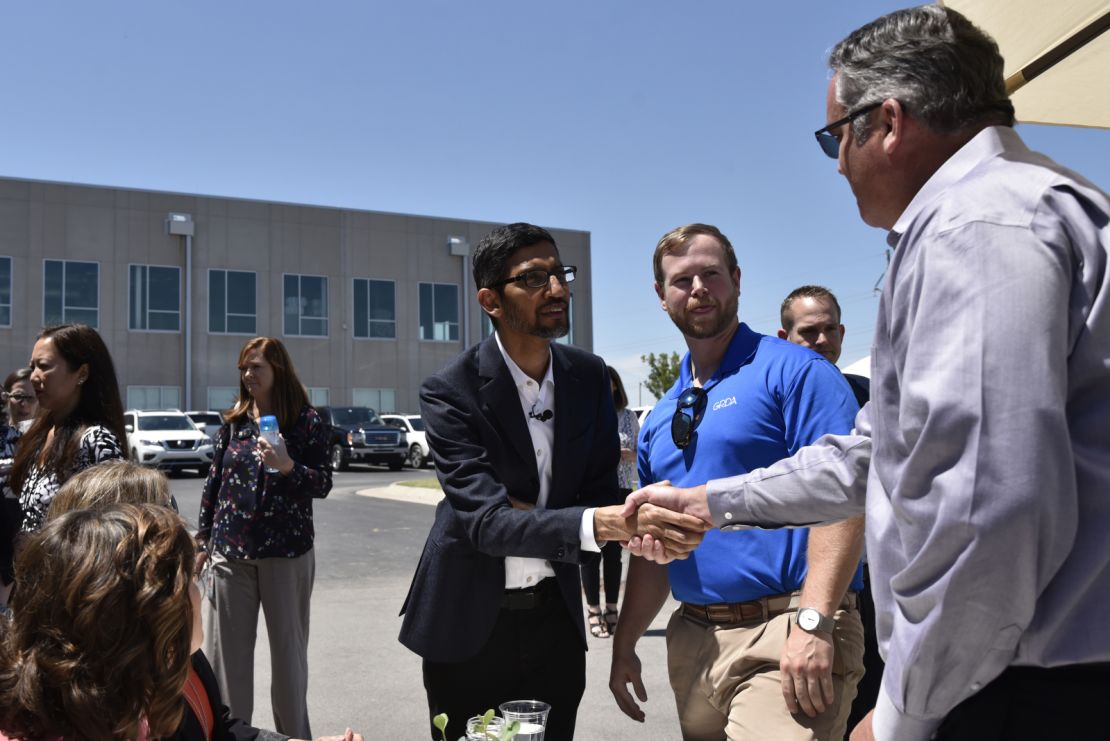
<point x="688" y="413"/>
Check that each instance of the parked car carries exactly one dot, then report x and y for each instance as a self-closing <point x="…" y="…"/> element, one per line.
<point x="642" y="413"/>
<point x="357" y="434"/>
<point x="207" y="422"/>
<point x="413" y="427"/>
<point x="167" y="439"/>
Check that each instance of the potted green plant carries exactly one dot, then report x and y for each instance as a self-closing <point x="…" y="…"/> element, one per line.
<point x="483" y="728"/>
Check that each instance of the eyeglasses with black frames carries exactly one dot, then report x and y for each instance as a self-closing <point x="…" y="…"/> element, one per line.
<point x="538" y="277"/>
<point x="829" y="141"/>
<point x="17" y="398"/>
<point x="689" y="413"/>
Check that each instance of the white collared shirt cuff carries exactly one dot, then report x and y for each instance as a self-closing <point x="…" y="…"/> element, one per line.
<point x="586" y="539"/>
<point x="888" y="724"/>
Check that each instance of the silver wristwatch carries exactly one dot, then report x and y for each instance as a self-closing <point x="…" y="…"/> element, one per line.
<point x="812" y="621"/>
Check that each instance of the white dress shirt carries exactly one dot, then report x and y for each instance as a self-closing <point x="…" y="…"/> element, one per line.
<point x="536" y="398"/>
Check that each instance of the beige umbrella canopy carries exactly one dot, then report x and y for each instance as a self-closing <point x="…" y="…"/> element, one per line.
<point x="1057" y="56"/>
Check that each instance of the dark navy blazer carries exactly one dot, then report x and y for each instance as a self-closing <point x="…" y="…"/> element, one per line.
<point x="483" y="454"/>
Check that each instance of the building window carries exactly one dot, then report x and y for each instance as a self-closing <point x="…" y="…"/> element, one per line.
<point x="153" y="397"/>
<point x="439" y="312"/>
<point x="155" y="298"/>
<point x="5" y="291"/>
<point x="222" y="398"/>
<point x="382" y="401"/>
<point x="487" y="325"/>
<point x="231" y="302"/>
<point x="375" y="309"/>
<point x="318" y="396"/>
<point x="306" y="306"/>
<point x="71" y="292"/>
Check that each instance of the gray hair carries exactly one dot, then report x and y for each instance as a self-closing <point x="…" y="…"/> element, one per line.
<point x="934" y="61"/>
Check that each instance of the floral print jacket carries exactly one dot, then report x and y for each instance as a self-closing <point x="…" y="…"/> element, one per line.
<point x="247" y="513"/>
<point x="96" y="445"/>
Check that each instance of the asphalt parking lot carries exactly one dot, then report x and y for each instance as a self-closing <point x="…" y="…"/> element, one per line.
<point x="367" y="546"/>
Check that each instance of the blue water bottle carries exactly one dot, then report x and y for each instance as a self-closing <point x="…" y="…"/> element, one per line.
<point x="268" y="428"/>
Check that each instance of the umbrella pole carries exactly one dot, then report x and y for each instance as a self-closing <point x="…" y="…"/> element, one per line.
<point x="1062" y="51"/>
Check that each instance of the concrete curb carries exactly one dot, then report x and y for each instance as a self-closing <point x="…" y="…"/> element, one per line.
<point x="398" y="493"/>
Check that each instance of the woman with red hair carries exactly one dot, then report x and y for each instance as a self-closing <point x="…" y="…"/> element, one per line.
<point x="255" y="530"/>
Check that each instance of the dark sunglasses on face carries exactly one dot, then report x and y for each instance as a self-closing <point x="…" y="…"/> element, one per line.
<point x="539" y="277"/>
<point x="830" y="142"/>
<point x="688" y="414"/>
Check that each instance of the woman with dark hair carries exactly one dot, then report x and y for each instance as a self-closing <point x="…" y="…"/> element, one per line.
<point x="603" y="624"/>
<point x="102" y="629"/>
<point x="255" y="528"/>
<point x="21" y="406"/>
<point x="81" y="419"/>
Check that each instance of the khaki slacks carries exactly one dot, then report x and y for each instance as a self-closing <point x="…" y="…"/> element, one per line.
<point x="283" y="587"/>
<point x="727" y="682"/>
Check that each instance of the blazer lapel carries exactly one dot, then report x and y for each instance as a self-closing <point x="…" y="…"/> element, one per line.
<point x="501" y="400"/>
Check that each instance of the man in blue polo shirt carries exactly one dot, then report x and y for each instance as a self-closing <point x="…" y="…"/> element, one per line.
<point x="761" y="646"/>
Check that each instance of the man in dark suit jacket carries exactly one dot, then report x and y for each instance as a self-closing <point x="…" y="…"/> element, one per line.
<point x="524" y="437"/>
<point x="811" y="318"/>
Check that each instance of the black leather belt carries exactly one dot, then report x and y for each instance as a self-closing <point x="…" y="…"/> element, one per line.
<point x="530" y="597"/>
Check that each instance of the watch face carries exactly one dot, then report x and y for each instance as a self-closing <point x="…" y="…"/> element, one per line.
<point x="808" y="619"/>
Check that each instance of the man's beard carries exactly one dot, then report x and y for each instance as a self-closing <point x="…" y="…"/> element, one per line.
<point x="517" y="322"/>
<point x="702" y="328"/>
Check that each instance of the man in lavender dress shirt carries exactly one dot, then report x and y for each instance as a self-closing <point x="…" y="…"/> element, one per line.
<point x="983" y="458"/>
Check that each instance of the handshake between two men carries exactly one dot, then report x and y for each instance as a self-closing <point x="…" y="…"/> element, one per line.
<point x="659" y="522"/>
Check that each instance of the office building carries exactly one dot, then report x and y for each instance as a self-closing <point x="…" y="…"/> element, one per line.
<point x="368" y="303"/>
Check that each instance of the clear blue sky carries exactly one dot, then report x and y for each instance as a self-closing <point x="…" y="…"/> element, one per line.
<point x="621" y="118"/>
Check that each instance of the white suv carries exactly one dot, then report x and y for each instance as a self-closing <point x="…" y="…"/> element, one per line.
<point x="413" y="426"/>
<point x="208" y="422"/>
<point x="167" y="439"/>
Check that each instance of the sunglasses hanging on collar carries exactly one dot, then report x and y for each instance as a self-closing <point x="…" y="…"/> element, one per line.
<point x="689" y="412"/>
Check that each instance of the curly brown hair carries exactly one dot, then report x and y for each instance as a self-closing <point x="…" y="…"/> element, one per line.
<point x="102" y="622"/>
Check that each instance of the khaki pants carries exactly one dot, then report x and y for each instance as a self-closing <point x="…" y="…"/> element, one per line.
<point x="726" y="679"/>
<point x="283" y="587"/>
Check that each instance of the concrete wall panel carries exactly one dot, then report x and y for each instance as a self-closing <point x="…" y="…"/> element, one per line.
<point x="118" y="227"/>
